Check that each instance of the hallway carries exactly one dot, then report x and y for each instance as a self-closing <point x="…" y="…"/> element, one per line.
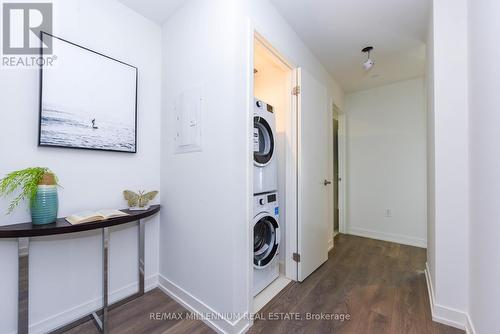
<point x="380" y="284"/>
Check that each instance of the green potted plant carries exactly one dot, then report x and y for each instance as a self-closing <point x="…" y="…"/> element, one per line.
<point x="38" y="185"/>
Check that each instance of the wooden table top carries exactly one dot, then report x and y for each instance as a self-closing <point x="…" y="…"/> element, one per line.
<point x="61" y="226"/>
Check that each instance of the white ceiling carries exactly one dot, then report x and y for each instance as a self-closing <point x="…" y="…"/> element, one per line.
<point x="337" y="30"/>
<point x="156" y="10"/>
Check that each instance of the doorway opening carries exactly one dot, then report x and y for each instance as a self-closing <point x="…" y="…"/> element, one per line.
<point x="296" y="102"/>
<point x="336" y="179"/>
<point x="274" y="105"/>
<point x="337" y="141"/>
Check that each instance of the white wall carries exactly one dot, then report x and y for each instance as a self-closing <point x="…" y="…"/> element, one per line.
<point x="484" y="231"/>
<point x="448" y="98"/>
<point x="202" y="233"/>
<point x="386" y="159"/>
<point x="65" y="275"/>
<point x="205" y="229"/>
<point x="431" y="182"/>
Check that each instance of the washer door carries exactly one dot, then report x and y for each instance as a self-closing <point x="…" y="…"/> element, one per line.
<point x="265" y="240"/>
<point x="263" y="141"/>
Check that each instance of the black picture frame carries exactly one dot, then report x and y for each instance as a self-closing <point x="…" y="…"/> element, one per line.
<point x="41" y="142"/>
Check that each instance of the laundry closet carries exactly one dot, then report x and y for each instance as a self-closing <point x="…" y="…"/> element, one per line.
<point x="272" y="150"/>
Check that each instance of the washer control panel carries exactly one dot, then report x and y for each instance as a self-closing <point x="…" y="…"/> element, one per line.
<point x="266" y="202"/>
<point x="260" y="104"/>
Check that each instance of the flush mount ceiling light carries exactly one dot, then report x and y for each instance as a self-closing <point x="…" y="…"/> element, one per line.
<point x="369" y="63"/>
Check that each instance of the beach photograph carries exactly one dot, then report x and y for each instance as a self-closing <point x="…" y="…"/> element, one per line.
<point x="88" y="101"/>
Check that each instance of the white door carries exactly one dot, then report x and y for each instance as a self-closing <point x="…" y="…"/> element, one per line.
<point x="313" y="225"/>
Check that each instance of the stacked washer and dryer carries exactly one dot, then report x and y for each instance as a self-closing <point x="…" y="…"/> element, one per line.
<point x="266" y="229"/>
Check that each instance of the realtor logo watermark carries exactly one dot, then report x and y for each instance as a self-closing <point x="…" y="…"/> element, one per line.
<point x="22" y="26"/>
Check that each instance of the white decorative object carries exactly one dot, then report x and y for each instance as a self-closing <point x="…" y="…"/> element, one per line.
<point x="188" y="114"/>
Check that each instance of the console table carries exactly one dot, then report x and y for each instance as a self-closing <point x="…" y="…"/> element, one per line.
<point x="23" y="233"/>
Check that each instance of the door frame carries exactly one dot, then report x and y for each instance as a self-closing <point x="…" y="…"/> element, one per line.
<point x="337" y="114"/>
<point x="331" y="175"/>
<point x="342" y="137"/>
<point x="291" y="159"/>
<point x="291" y="270"/>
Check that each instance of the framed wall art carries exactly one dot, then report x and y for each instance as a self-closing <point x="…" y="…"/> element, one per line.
<point x="87" y="100"/>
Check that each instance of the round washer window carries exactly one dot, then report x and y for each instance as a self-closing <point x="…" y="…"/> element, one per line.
<point x="263" y="141"/>
<point x="265" y="246"/>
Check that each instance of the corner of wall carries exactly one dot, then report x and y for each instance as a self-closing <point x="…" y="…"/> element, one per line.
<point x="469" y="327"/>
<point x="443" y="314"/>
<point x="219" y="322"/>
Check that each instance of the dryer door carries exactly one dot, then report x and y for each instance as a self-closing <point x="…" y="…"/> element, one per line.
<point x="265" y="240"/>
<point x="263" y="141"/>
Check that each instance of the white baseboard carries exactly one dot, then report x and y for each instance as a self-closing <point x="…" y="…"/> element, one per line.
<point x="443" y="314"/>
<point x="469" y="327"/>
<point x="391" y="237"/>
<point x="271" y="291"/>
<point x="330" y="244"/>
<point x="218" y="321"/>
<point x="78" y="311"/>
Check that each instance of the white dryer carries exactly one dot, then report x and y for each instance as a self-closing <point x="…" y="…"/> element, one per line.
<point x="265" y="164"/>
<point x="266" y="240"/>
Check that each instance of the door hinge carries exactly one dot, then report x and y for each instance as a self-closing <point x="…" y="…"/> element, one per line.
<point x="296" y="257"/>
<point x="296" y="90"/>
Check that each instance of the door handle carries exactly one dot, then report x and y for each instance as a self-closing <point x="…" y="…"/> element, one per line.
<point x="326" y="182"/>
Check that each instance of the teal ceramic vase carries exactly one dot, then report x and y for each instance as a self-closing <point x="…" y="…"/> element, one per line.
<point x="45" y="205"/>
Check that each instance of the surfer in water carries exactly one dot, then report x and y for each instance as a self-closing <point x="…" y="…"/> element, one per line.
<point x="93" y="124"/>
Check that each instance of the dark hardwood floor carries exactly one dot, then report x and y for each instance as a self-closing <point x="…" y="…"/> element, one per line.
<point x="381" y="285"/>
<point x="134" y="318"/>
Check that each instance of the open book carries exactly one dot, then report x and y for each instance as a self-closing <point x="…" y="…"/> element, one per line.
<point x="92" y="216"/>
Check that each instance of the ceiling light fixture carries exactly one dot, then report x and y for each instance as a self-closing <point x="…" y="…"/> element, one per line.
<point x="369" y="63"/>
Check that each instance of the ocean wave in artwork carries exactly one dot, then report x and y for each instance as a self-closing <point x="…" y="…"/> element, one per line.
<point x="61" y="128"/>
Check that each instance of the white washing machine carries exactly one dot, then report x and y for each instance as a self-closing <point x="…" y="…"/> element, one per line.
<point x="266" y="241"/>
<point x="265" y="164"/>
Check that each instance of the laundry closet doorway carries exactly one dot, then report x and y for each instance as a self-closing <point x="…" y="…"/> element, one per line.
<point x="273" y="80"/>
<point x="300" y="105"/>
